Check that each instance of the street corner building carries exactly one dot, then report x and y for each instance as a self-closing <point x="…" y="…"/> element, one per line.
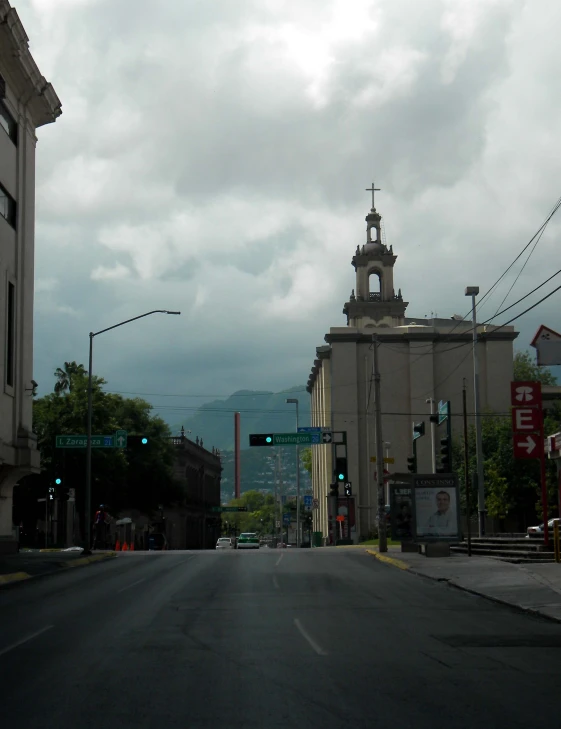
<point x="27" y="101"/>
<point x="421" y="362"/>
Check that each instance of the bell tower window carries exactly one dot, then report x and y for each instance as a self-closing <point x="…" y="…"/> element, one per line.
<point x="375" y="286"/>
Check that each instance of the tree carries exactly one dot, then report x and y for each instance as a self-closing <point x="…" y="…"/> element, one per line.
<point x="259" y="517"/>
<point x="65" y="376"/>
<point x="525" y="370"/>
<point x="140" y="478"/>
<point x="306" y="459"/>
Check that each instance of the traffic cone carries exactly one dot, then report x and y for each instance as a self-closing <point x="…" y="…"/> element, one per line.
<point x="125" y="547"/>
<point x="117" y="545"/>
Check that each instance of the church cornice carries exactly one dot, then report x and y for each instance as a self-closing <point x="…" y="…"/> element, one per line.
<point x="363" y="259"/>
<point x="416" y="336"/>
<point x="26" y="81"/>
<point x="376" y="310"/>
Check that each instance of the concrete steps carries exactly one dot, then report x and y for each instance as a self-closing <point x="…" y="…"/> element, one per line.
<point x="508" y="549"/>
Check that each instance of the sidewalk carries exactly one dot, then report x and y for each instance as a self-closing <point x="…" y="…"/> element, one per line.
<point x="533" y="588"/>
<point x="26" y="565"/>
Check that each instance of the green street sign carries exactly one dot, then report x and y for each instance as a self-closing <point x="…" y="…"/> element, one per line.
<point x="443" y="410"/>
<point x="222" y="509"/>
<point x="81" y="441"/>
<point x="121" y="438"/>
<point x="281" y="439"/>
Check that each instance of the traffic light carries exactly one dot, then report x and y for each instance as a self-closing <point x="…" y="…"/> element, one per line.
<point x="261" y="439"/>
<point x="341" y="469"/>
<point x="58" y="481"/>
<point x="445" y="460"/>
<point x="334" y="489"/>
<point x="137" y="440"/>
<point x="412" y="464"/>
<point x="418" y="429"/>
<point x="348" y="489"/>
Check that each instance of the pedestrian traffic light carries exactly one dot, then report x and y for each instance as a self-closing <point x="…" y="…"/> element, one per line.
<point x="412" y="464"/>
<point x="445" y="460"/>
<point x="51" y="493"/>
<point x="261" y="439"/>
<point x="341" y="469"/>
<point x="334" y="489"/>
<point x="348" y="489"/>
<point x="58" y="481"/>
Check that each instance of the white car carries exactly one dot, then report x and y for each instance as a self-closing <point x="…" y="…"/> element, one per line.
<point x="537" y="531"/>
<point x="224" y="543"/>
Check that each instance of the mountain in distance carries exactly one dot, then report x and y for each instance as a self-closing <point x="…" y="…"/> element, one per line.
<point x="260" y="412"/>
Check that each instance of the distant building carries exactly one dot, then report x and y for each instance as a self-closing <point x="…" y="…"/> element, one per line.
<point x="196" y="525"/>
<point x="27" y="101"/>
<point x="419" y="360"/>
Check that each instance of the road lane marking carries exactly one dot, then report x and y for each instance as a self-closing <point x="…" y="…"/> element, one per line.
<point x="131" y="585"/>
<point x="279" y="559"/>
<point x="276" y="582"/>
<point x="25" y="640"/>
<point x="318" y="649"/>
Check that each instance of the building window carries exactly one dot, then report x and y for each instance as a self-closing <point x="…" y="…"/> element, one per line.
<point x="7" y="207"/>
<point x="10" y="334"/>
<point x="8" y="123"/>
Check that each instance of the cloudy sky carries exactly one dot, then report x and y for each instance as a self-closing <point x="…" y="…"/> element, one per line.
<point x="212" y="157"/>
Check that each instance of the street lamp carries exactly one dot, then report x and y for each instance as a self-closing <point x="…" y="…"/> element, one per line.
<point x="294" y="401"/>
<point x="88" y="505"/>
<point x="473" y="291"/>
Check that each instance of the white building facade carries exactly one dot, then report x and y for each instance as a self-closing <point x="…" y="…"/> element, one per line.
<point x="419" y="360"/>
<point x="27" y="101"/>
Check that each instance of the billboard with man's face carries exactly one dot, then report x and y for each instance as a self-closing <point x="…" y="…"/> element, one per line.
<point x="436" y="506"/>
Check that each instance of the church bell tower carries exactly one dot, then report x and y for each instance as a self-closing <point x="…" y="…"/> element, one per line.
<point x="375" y="303"/>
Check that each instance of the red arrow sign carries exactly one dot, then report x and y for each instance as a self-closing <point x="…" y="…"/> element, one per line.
<point x="525" y="419"/>
<point x="526" y="446"/>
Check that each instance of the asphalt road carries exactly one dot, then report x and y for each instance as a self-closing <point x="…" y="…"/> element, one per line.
<point x="323" y="638"/>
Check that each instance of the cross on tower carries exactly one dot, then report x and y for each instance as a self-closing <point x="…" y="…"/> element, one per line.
<point x="373" y="190"/>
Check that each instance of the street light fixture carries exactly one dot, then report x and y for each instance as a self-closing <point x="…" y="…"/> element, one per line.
<point x="88" y="504"/>
<point x="473" y="291"/>
<point x="294" y="401"/>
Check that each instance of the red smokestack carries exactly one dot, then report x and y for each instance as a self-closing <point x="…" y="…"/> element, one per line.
<point x="237" y="491"/>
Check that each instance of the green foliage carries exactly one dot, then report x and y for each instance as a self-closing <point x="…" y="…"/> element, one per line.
<point x="512" y="487"/>
<point x="140" y="478"/>
<point x="306" y="459"/>
<point x="525" y="370"/>
<point x="259" y="517"/>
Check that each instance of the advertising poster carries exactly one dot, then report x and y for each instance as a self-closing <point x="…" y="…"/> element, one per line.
<point x="401" y="511"/>
<point x="436" y="507"/>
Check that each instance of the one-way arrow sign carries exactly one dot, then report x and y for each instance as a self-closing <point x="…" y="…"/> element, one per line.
<point x="326" y="438"/>
<point x="526" y="447"/>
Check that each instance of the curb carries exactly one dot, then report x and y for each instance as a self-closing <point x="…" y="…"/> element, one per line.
<point x="497" y="600"/>
<point x="389" y="560"/>
<point x="14" y="578"/>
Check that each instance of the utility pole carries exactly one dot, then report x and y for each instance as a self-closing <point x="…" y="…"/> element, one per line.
<point x="382" y="537"/>
<point x="473" y="291"/>
<point x="466" y="467"/>
<point x="432" y="402"/>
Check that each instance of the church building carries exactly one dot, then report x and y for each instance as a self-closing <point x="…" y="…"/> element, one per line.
<point x="421" y="362"/>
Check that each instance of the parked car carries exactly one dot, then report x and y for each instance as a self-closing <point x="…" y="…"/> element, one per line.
<point x="224" y="543"/>
<point x="537" y="531"/>
<point x="248" y="540"/>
